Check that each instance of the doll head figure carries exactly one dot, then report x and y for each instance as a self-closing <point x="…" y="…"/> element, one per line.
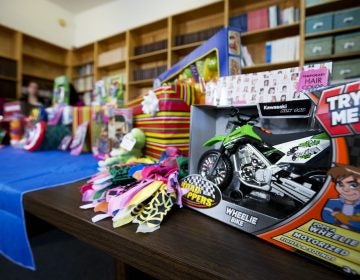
<point x="347" y="180"/>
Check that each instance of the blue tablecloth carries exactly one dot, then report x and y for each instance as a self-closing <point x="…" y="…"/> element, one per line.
<point x="22" y="172"/>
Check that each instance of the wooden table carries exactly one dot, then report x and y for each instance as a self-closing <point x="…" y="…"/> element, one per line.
<point x="188" y="245"/>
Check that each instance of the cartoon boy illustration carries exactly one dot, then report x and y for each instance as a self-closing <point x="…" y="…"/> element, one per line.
<point x="344" y="211"/>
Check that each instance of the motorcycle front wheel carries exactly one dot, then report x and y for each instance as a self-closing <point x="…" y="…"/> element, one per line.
<point x="221" y="174"/>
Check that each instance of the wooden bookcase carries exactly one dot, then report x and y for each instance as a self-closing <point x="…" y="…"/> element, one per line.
<point x="208" y="18"/>
<point x="42" y="62"/>
<point x="82" y="70"/>
<point x="111" y="56"/>
<point x="41" y="59"/>
<point x="159" y="44"/>
<point x="148" y="54"/>
<point x="256" y="40"/>
<point x="10" y="63"/>
<point x="331" y="6"/>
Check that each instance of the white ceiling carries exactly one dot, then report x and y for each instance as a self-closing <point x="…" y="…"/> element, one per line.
<point x="78" y="6"/>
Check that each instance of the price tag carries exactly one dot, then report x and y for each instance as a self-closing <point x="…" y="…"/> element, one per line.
<point x="313" y="78"/>
<point x="128" y="142"/>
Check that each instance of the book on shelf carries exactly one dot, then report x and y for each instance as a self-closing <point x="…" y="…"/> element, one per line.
<point x="240" y="22"/>
<point x="265" y="18"/>
<point x="268" y="48"/>
<point x="152" y="47"/>
<point x="280" y="50"/>
<point x="246" y="58"/>
<point x="8" y="67"/>
<point x="258" y="19"/>
<point x="149" y="73"/>
<point x="288" y="15"/>
<point x="84" y="70"/>
<point x="8" y="89"/>
<point x="273" y="16"/>
<point x="198" y="36"/>
<point x="83" y="84"/>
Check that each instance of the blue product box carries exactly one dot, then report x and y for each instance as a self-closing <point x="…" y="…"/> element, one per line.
<point x="219" y="56"/>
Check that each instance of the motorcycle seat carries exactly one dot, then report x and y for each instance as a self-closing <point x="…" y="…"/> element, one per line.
<point x="276" y="139"/>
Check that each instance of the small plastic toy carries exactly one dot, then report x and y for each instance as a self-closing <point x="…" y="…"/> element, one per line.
<point x="123" y="154"/>
<point x="277" y="165"/>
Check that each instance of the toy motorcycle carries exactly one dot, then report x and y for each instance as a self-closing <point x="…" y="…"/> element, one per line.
<point x="265" y="163"/>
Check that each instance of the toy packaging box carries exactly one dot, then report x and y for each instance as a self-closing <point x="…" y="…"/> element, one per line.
<point x="120" y="123"/>
<point x="109" y="90"/>
<point x="219" y="56"/>
<point x="108" y="127"/>
<point x="164" y="116"/>
<point x="61" y="94"/>
<point x="82" y="115"/>
<point x="294" y="182"/>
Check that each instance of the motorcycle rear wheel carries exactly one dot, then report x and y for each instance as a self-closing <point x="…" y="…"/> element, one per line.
<point x="223" y="172"/>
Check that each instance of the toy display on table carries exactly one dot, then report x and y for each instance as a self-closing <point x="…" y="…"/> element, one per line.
<point x="289" y="178"/>
<point x="138" y="191"/>
<point x="217" y="57"/>
<point x="46" y="128"/>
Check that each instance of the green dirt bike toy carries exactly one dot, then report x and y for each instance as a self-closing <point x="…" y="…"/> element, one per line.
<point x="267" y="164"/>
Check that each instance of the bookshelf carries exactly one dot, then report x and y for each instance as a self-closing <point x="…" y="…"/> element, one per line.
<point x="8" y="41"/>
<point x="259" y="67"/>
<point x="333" y="32"/>
<point x="82" y="71"/>
<point x="37" y="68"/>
<point x="346" y="59"/>
<point x="111" y="56"/>
<point x="155" y="47"/>
<point x="10" y="64"/>
<point x="39" y="50"/>
<point x="190" y="29"/>
<point x="330" y="6"/>
<point x="265" y="36"/>
<point x="41" y="62"/>
<point x="141" y="53"/>
<point x="334" y="57"/>
<point x="148" y="56"/>
<point x="45" y="87"/>
<point x="268" y="34"/>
